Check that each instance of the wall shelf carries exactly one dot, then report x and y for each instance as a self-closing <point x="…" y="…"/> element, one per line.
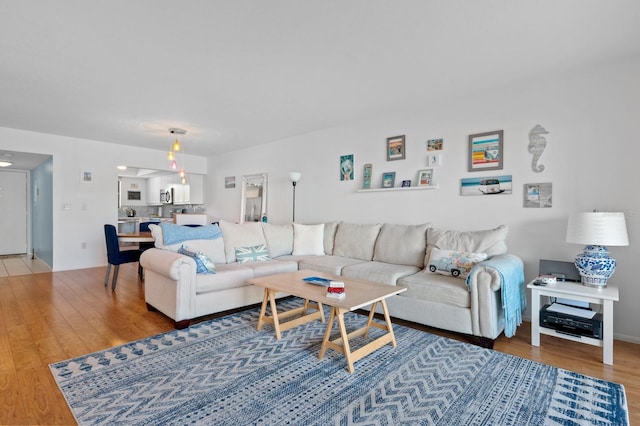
<point x="406" y="188"/>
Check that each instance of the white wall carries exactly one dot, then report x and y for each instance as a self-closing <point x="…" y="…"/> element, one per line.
<point x="592" y="119"/>
<point x="91" y="204"/>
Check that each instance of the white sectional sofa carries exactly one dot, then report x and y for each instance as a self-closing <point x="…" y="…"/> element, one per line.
<point x="390" y="254"/>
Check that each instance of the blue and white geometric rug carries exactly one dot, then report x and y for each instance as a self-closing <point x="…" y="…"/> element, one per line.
<point x="224" y="372"/>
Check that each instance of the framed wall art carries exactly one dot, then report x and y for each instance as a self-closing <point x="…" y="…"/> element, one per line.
<point x="486" y="151"/>
<point x="230" y="182"/>
<point x="435" y="144"/>
<point x="537" y="195"/>
<point x="86" y="176"/>
<point x="395" y="148"/>
<point x="346" y="167"/>
<point x="489" y="185"/>
<point x="388" y="179"/>
<point x="425" y="177"/>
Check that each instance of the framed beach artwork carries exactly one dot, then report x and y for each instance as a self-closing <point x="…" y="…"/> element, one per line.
<point x="435" y="144"/>
<point x="537" y="195"/>
<point x="486" y="151"/>
<point x="388" y="179"/>
<point x="395" y="148"/>
<point x="425" y="177"/>
<point x="230" y="182"/>
<point x="488" y="185"/>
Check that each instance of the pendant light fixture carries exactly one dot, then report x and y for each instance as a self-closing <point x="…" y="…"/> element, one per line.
<point x="175" y="147"/>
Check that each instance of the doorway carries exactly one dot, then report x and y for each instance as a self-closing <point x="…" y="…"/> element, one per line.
<point x="13" y="212"/>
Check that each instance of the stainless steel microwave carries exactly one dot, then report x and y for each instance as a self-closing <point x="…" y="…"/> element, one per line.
<point x="166" y="196"/>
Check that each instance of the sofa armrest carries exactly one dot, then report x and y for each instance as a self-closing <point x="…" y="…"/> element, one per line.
<point x="170" y="283"/>
<point x="485" y="282"/>
<point x="167" y="263"/>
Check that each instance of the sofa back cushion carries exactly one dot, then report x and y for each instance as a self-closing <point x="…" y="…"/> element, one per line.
<point x="279" y="239"/>
<point x="213" y="248"/>
<point x="308" y="239"/>
<point x="490" y="241"/>
<point x="240" y="235"/>
<point x="355" y="240"/>
<point x="330" y="229"/>
<point x="402" y="244"/>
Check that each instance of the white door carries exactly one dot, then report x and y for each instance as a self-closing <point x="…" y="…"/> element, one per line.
<point x="13" y="212"/>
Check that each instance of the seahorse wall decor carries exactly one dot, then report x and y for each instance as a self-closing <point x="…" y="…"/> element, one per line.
<point x="537" y="144"/>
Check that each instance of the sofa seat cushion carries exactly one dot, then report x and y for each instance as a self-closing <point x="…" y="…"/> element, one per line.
<point x="436" y="288"/>
<point x="379" y="272"/>
<point x="271" y="267"/>
<point x="329" y="264"/>
<point x="227" y="276"/>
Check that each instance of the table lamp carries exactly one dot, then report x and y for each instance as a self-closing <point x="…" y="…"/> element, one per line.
<point x="597" y="230"/>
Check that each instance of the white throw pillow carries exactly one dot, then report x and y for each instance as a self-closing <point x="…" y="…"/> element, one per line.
<point x="308" y="239"/>
<point x="454" y="263"/>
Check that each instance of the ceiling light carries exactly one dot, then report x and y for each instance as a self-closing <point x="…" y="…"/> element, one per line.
<point x="122" y="167"/>
<point x="5" y="163"/>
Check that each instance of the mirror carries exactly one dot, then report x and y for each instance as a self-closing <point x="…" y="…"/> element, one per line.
<point x="253" y="205"/>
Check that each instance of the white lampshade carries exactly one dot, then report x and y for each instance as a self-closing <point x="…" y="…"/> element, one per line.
<point x="295" y="176"/>
<point x="598" y="228"/>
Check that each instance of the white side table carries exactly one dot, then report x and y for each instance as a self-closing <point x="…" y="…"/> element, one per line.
<point x="576" y="291"/>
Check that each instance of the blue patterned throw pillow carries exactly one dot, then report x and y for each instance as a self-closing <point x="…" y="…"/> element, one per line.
<point x="204" y="265"/>
<point x="257" y="253"/>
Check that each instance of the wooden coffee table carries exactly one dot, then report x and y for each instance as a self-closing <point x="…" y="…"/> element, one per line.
<point x="359" y="294"/>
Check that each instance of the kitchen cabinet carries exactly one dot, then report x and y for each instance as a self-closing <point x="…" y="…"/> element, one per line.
<point x="197" y="189"/>
<point x="153" y="191"/>
<point x="181" y="194"/>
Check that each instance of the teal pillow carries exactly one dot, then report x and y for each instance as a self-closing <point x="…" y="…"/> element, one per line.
<point x="204" y="265"/>
<point x="257" y="253"/>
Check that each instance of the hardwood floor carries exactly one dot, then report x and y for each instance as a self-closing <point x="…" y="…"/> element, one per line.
<point x="50" y="317"/>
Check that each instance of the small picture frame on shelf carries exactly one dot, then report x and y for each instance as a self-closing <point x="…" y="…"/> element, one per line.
<point x="395" y="148"/>
<point x="406" y="183"/>
<point x="388" y="179"/>
<point x="425" y="177"/>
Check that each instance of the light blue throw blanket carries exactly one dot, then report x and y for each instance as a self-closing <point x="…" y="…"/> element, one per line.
<point x="514" y="295"/>
<point x="172" y="234"/>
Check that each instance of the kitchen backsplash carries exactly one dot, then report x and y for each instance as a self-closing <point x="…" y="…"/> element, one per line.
<point x="159" y="211"/>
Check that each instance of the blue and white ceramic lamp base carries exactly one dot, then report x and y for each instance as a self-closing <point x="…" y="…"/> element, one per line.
<point x="595" y="266"/>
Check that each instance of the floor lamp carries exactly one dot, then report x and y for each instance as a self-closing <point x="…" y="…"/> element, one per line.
<point x="295" y="177"/>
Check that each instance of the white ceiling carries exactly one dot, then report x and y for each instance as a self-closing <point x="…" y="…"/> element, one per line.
<point x="235" y="73"/>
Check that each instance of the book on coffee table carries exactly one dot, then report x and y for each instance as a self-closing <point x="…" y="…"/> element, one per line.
<point x="317" y="280"/>
<point x="335" y="289"/>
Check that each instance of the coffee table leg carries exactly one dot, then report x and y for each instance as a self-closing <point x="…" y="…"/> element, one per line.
<point x="372" y="312"/>
<point x="263" y="309"/>
<point x="327" y="333"/>
<point x="387" y="319"/>
<point x="345" y="340"/>
<point x="274" y="313"/>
